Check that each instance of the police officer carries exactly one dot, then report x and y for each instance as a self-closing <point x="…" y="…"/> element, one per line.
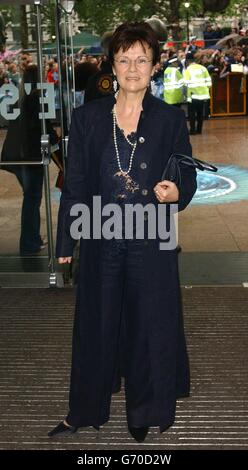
<point x="173" y="83"/>
<point x="198" y="82"/>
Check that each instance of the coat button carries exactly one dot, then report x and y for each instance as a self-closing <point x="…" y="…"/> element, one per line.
<point x="144" y="192"/>
<point x="141" y="140"/>
<point x="143" y="165"/>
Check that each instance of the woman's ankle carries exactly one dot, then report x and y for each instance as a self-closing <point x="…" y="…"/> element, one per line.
<point x="66" y="424"/>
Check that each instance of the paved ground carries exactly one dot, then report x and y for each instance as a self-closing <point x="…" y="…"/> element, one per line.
<point x="221" y="227"/>
<point x="35" y="348"/>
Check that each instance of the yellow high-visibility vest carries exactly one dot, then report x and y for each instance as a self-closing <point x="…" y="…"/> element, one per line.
<point x="173" y="86"/>
<point x="198" y="82"/>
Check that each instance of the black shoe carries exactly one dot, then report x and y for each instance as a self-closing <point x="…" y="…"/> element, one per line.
<point x="139" y="434"/>
<point x="62" y="428"/>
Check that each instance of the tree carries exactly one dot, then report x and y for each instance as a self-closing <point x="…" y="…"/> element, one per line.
<point x="2" y="32"/>
<point x="48" y="18"/>
<point x="24" y="26"/>
<point x="102" y="15"/>
<point x="235" y="7"/>
<point x="19" y="14"/>
<point x="178" y="11"/>
<point x="215" y="5"/>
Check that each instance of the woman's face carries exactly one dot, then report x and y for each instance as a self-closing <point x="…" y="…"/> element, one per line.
<point x="133" y="75"/>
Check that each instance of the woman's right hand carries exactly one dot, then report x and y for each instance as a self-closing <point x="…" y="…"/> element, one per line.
<point x="66" y="259"/>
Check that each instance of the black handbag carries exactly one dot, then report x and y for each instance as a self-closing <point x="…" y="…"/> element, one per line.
<point x="172" y="171"/>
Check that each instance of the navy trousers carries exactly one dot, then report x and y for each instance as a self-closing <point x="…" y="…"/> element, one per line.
<point x="196" y="115"/>
<point x="125" y="326"/>
<point x="31" y="181"/>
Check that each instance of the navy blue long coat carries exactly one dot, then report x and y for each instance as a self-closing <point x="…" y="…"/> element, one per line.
<point x="164" y="131"/>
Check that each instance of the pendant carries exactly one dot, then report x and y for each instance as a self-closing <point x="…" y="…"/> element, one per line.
<point x="130" y="184"/>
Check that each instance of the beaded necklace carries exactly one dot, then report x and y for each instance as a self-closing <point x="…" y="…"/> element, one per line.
<point x="134" y="145"/>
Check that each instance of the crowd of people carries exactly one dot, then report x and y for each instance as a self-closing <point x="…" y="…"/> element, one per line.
<point x="217" y="55"/>
<point x="217" y="59"/>
<point x="176" y="80"/>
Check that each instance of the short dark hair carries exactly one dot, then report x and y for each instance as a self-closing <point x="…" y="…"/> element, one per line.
<point x="128" y="34"/>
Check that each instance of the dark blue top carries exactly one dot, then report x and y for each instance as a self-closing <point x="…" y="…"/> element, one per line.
<point x="116" y="188"/>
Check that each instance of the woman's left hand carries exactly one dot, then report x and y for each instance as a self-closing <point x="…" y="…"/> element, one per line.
<point x="166" y="191"/>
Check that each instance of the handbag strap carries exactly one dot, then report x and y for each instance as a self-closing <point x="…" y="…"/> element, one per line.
<point x="194" y="162"/>
<point x="177" y="159"/>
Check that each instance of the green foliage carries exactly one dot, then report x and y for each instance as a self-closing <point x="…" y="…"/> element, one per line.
<point x="48" y="12"/>
<point x="12" y="15"/>
<point x="102" y="15"/>
<point x="195" y="9"/>
<point x="8" y="13"/>
<point x="235" y="7"/>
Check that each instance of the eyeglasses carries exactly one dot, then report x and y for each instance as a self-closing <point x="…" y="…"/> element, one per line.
<point x="140" y="62"/>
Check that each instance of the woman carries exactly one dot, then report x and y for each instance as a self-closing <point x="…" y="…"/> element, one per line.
<point x="128" y="311"/>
